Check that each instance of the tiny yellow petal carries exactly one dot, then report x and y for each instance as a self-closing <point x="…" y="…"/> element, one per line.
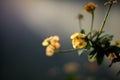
<point x="78" y="35"/>
<point x="74" y="35"/>
<point x="49" y="50"/>
<point x="57" y="38"/>
<point x="45" y="43"/>
<point x="57" y="45"/>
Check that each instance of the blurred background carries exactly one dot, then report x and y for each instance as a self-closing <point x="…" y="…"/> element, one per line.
<point x="24" y="24"/>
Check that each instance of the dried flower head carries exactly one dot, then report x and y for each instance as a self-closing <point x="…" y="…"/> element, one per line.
<point x="80" y="16"/>
<point x="111" y="56"/>
<point x="90" y="7"/>
<point x="110" y="2"/>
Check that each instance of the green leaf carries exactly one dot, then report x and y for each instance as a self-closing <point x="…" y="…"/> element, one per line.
<point x="114" y="49"/>
<point x="92" y="34"/>
<point x="92" y="58"/>
<point x="105" y="38"/>
<point x="99" y="58"/>
<point x="89" y="46"/>
<point x="81" y="51"/>
<point x="92" y="52"/>
<point x="82" y="31"/>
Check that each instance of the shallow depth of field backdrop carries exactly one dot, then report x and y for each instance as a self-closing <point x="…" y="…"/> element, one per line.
<point x="25" y="23"/>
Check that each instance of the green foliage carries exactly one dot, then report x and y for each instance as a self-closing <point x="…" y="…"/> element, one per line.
<point x="99" y="57"/>
<point x="105" y="38"/>
<point x="114" y="49"/>
<point x="92" y="56"/>
<point x="81" y="51"/>
<point x="82" y="31"/>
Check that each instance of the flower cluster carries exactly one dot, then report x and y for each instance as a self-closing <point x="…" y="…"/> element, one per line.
<point x="95" y="43"/>
<point x="52" y="44"/>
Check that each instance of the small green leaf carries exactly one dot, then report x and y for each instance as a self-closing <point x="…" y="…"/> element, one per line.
<point x="105" y="38"/>
<point x="82" y="31"/>
<point x="92" y="58"/>
<point x="92" y="34"/>
<point x="81" y="51"/>
<point x="92" y="52"/>
<point x="114" y="49"/>
<point x="89" y="45"/>
<point x="99" y="58"/>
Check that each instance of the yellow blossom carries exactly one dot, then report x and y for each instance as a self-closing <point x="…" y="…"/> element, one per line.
<point x="56" y="45"/>
<point x="49" y="50"/>
<point x="117" y="43"/>
<point x="78" y="43"/>
<point x="52" y="44"/>
<point x="78" y="35"/>
<point x="45" y="43"/>
<point x="111" y="56"/>
<point x="90" y="7"/>
<point x="77" y="40"/>
<point x="56" y="38"/>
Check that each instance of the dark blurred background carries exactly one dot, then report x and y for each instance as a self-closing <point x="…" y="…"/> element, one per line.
<point x="24" y="24"/>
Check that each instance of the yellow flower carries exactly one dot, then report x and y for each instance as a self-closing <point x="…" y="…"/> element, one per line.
<point x="50" y="40"/>
<point x="111" y="56"/>
<point x="90" y="7"/>
<point x="56" y="38"/>
<point x="45" y="43"/>
<point x="77" y="40"/>
<point x="56" y="45"/>
<point x="52" y="44"/>
<point x="78" y="35"/>
<point x="117" y="43"/>
<point x="78" y="43"/>
<point x="49" y="50"/>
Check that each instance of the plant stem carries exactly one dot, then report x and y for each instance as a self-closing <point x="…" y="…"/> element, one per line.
<point x="80" y="24"/>
<point x="66" y="51"/>
<point x="104" y="21"/>
<point x="92" y="22"/>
